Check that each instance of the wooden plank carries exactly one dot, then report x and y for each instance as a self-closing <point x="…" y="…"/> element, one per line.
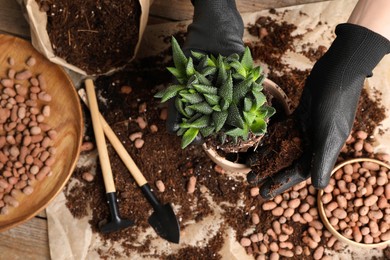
<point x="12" y="20"/>
<point x="179" y="10"/>
<point x="27" y="241"/>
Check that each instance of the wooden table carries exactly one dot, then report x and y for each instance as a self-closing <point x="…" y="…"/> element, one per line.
<point x="30" y="240"/>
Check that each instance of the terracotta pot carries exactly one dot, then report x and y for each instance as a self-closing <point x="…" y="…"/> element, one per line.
<point x="230" y="166"/>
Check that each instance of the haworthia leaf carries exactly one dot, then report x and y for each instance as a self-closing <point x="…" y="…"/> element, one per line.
<point x="190" y="68"/>
<point x="202" y="107"/>
<point x="267" y="111"/>
<point x="175" y="72"/>
<point x="260" y="79"/>
<point x="189" y="111"/>
<point x="222" y="138"/>
<point x="238" y="76"/>
<point x="226" y="90"/>
<point x="201" y="122"/>
<point x="256" y="72"/>
<point x="234" y="118"/>
<point x="169" y="93"/>
<point x="188" y="137"/>
<point x="209" y="71"/>
<point x="235" y="132"/>
<point x="232" y="57"/>
<point x="206" y="89"/>
<point x="212" y="99"/>
<point x="247" y="104"/>
<point x="240" y="90"/>
<point x="206" y="131"/>
<point x="249" y="117"/>
<point x="246" y="60"/>
<point x="257" y="87"/>
<point x="239" y="68"/>
<point x="258" y="126"/>
<point x="179" y="59"/>
<point x="197" y="55"/>
<point x="202" y="64"/>
<point x="222" y="74"/>
<point x="202" y="79"/>
<point x="192" y="98"/>
<point x="212" y="61"/>
<point x="224" y="104"/>
<point x="192" y="80"/>
<point x="219" y="119"/>
<point x="260" y="99"/>
<point x="181" y="131"/>
<point x="217" y="108"/>
<point x="180" y="107"/>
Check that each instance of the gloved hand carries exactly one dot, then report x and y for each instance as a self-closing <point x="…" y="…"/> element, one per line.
<point x="217" y="28"/>
<point x="328" y="105"/>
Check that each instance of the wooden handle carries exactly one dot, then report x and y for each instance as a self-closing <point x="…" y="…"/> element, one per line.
<point x="120" y="149"/>
<point x="99" y="137"/>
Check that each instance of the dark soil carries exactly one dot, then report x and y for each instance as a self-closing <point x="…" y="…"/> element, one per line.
<point x="161" y="157"/>
<point x="94" y="35"/>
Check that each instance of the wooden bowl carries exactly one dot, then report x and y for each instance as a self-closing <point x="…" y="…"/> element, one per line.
<point x="325" y="220"/>
<point x="65" y="117"/>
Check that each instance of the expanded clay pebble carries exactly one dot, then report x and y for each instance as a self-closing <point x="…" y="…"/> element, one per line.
<point x="358" y="212"/>
<point x="26" y="151"/>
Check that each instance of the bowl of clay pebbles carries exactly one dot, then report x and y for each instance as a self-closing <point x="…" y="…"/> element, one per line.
<point x="355" y="205"/>
<point x="41" y="128"/>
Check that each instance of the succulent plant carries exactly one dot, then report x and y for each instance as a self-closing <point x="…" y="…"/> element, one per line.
<point x="220" y="97"/>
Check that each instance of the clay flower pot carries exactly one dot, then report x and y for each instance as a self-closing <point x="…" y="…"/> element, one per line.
<point x="228" y="165"/>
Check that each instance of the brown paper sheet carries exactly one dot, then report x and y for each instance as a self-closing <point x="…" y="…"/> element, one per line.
<point x="72" y="238"/>
<point x="40" y="38"/>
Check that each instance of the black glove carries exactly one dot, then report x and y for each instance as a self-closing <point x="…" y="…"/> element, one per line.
<point x="328" y="105"/>
<point x="217" y="28"/>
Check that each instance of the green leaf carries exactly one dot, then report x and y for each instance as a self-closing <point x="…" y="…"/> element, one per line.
<point x="219" y="119"/>
<point x="238" y="76"/>
<point x="202" y="107"/>
<point x="241" y="89"/>
<point x="188" y="137"/>
<point x="217" y="108"/>
<point x="180" y="107"/>
<point x="209" y="71"/>
<point x="247" y="104"/>
<point x="267" y="111"/>
<point x="236" y="132"/>
<point x="204" y="89"/>
<point x="260" y="99"/>
<point x="226" y="90"/>
<point x="190" y="68"/>
<point x="224" y="104"/>
<point x="175" y="72"/>
<point x="256" y="72"/>
<point x="169" y="93"/>
<point x="212" y="61"/>
<point x="239" y="68"/>
<point x="232" y="57"/>
<point x="206" y="131"/>
<point x="192" y="80"/>
<point x="222" y="74"/>
<point x="202" y="64"/>
<point x="202" y="79"/>
<point x="181" y="131"/>
<point x="222" y="138"/>
<point x="189" y="111"/>
<point x="212" y="99"/>
<point x="260" y="79"/>
<point x="201" y="122"/>
<point x="234" y="118"/>
<point x="257" y="87"/>
<point x="249" y="117"/>
<point x="179" y="59"/>
<point x="258" y="126"/>
<point x="192" y="98"/>
<point x="197" y="55"/>
<point x="246" y="60"/>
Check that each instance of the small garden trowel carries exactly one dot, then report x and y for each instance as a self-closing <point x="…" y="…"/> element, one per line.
<point x="163" y="219"/>
<point x="116" y="223"/>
